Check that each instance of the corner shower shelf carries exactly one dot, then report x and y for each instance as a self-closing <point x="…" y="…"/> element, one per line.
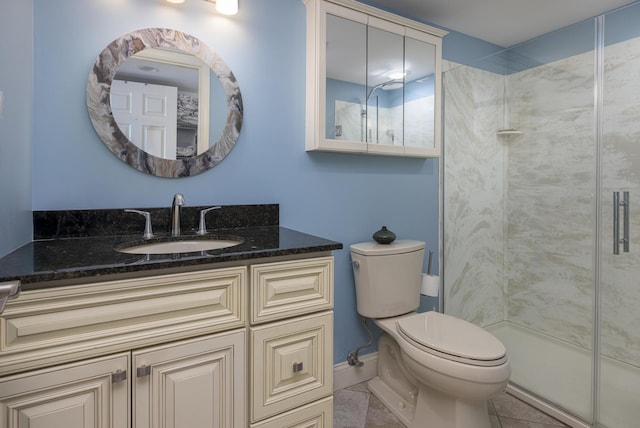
<point x="508" y="131"/>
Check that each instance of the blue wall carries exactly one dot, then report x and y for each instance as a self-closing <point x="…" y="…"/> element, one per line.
<point x="337" y="196"/>
<point x="51" y="157"/>
<point x="16" y="76"/>
<point x="341" y="197"/>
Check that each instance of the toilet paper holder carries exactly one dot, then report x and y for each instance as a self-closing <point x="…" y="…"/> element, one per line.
<point x="430" y="284"/>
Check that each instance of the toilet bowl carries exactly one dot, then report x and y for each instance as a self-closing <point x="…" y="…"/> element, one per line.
<point x="456" y="367"/>
<point x="434" y="370"/>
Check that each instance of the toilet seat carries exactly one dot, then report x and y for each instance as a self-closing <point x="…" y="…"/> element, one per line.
<point x="452" y="338"/>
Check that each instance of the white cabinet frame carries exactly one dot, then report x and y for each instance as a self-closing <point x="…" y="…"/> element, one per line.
<point x="316" y="74"/>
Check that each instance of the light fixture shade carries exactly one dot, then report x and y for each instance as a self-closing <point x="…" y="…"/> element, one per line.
<point x="175" y="1"/>
<point x="227" y="7"/>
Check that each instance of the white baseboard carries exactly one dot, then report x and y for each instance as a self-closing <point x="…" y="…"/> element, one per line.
<point x="345" y="375"/>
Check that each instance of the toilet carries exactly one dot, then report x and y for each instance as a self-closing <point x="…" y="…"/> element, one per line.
<point x="434" y="370"/>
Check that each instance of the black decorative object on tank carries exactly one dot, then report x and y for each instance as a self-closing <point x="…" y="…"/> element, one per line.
<point x="384" y="236"/>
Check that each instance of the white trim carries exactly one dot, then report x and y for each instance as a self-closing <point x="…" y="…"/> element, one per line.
<point x="388" y="16"/>
<point x="345" y="375"/>
<point x="315" y="116"/>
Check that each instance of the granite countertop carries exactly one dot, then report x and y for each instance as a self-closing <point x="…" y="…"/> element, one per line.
<point x="74" y="258"/>
<point x="52" y="260"/>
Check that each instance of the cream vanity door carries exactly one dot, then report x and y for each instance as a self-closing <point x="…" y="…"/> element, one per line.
<point x="193" y="383"/>
<point x="89" y="394"/>
<point x="147" y="115"/>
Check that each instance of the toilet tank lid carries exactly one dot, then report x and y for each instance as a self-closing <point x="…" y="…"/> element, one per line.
<point x="399" y="246"/>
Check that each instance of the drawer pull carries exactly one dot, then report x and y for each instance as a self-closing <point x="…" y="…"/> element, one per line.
<point x="119" y="376"/>
<point x="297" y="367"/>
<point x="143" y="371"/>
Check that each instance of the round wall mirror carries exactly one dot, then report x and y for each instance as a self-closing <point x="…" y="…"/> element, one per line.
<point x="164" y="103"/>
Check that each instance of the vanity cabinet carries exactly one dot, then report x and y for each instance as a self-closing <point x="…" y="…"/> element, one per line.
<point x="195" y="383"/>
<point x="174" y="350"/>
<point x="180" y="373"/>
<point x="291" y="362"/>
<point x="56" y="325"/>
<point x="79" y="395"/>
<point x="373" y="81"/>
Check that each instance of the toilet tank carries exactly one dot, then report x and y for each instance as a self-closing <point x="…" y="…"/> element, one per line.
<point x="387" y="277"/>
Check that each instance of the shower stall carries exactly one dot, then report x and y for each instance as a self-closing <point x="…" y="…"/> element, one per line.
<point x="541" y="214"/>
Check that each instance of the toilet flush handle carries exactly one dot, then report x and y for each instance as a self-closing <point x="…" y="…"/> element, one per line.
<point x="355" y="264"/>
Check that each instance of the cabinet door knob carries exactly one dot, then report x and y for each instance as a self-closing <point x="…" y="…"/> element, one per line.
<point x="118" y="376"/>
<point x="143" y="371"/>
<point x="297" y="367"/>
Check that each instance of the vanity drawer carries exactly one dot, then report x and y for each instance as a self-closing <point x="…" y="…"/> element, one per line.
<point x="287" y="289"/>
<point x="291" y="364"/>
<point x="67" y="323"/>
<point x="318" y="414"/>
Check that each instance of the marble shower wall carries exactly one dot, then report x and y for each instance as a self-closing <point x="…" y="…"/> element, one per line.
<point x="474" y="165"/>
<point x="520" y="210"/>
<point x="550" y="209"/>
<point x="353" y="125"/>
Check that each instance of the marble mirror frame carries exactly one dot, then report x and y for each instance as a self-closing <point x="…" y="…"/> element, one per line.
<point x="99" y="105"/>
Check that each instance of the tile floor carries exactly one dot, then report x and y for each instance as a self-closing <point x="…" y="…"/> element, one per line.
<point x="356" y="407"/>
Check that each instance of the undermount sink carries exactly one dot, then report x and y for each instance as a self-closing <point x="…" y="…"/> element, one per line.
<point x="180" y="246"/>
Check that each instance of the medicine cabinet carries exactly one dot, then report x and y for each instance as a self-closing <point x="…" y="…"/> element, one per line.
<point x="373" y="81"/>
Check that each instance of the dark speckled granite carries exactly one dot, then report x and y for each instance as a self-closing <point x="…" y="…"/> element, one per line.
<point x="89" y="250"/>
<point x="86" y="223"/>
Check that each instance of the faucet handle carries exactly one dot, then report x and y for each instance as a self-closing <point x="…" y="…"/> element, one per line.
<point x="8" y="290"/>
<point x="202" y="230"/>
<point x="148" y="233"/>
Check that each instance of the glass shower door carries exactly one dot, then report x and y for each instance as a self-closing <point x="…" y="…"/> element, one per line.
<point x="520" y="210"/>
<point x="619" y="297"/>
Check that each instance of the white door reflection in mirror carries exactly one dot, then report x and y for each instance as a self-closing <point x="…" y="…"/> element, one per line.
<point x="192" y="79"/>
<point x="147" y="115"/>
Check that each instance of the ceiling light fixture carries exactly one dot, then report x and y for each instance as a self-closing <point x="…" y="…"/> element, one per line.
<point x="227" y="7"/>
<point x="397" y="75"/>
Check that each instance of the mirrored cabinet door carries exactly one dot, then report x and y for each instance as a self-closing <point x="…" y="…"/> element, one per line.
<point x="421" y="94"/>
<point x="346" y="85"/>
<point x="373" y="81"/>
<point x="385" y="87"/>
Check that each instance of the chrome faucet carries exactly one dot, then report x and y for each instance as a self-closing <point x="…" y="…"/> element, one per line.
<point x="178" y="202"/>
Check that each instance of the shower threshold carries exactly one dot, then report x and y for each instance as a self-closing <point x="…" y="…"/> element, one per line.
<point x="546" y="370"/>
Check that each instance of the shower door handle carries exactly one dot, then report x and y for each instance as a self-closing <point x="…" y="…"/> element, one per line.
<point x="617" y="203"/>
